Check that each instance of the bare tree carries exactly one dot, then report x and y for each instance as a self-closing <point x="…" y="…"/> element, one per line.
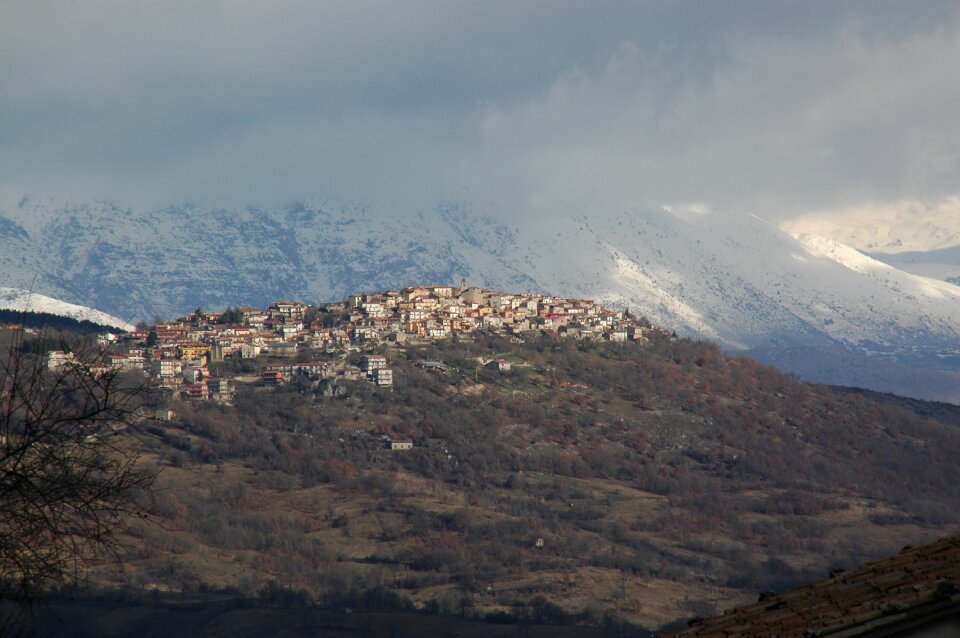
<point x="69" y="474"/>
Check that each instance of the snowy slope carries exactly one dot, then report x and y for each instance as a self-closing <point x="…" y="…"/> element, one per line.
<point x="921" y="240"/>
<point x="171" y="260"/>
<point x="895" y="228"/>
<point x="736" y="280"/>
<point x="25" y="301"/>
<point x="745" y="283"/>
<point x="943" y="264"/>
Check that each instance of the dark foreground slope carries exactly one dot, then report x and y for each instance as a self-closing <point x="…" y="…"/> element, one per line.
<point x="206" y="617"/>
<point x="913" y="593"/>
<point x="614" y="482"/>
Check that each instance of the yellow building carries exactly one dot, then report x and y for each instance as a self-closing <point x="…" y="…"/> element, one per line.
<point x="190" y="353"/>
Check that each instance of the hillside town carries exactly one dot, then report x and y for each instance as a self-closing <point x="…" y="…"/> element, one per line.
<point x="285" y="337"/>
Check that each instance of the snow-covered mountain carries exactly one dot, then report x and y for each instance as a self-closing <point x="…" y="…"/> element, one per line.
<point x="943" y="264"/>
<point x="736" y="280"/>
<point x="919" y="239"/>
<point x="889" y="229"/>
<point x="26" y="301"/>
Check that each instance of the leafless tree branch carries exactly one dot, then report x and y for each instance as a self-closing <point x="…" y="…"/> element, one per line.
<point x="69" y="476"/>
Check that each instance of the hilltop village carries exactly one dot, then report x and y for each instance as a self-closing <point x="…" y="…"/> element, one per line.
<point x="285" y="338"/>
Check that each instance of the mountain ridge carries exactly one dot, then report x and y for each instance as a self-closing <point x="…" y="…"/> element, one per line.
<point x="736" y="280"/>
<point x="25" y="301"/>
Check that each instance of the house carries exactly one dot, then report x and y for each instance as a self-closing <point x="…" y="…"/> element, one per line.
<point x="288" y="331"/>
<point x="219" y="349"/>
<point x="618" y="336"/>
<point x="351" y="372"/>
<point x="116" y="361"/>
<point x="196" y="391"/>
<point x="166" y="368"/>
<point x="371" y="362"/>
<point x="438" y="332"/>
<point x="312" y="368"/>
<point x="373" y="309"/>
<point x="287" y="311"/>
<point x="411" y="294"/>
<point x="193" y="374"/>
<point x="220" y="389"/>
<point x="519" y="326"/>
<point x="58" y="358"/>
<point x="415" y="315"/>
<point x="193" y="351"/>
<point x="441" y="291"/>
<point x="170" y="333"/>
<point x="401" y="444"/>
<point x="433" y="366"/>
<point x="246" y="313"/>
<point x="427" y="302"/>
<point x="249" y="351"/>
<point x="284" y="349"/>
<point x="397" y="336"/>
<point x="492" y="322"/>
<point x="500" y="365"/>
<point x="365" y="333"/>
<point x="382" y="377"/>
<point x="272" y="378"/>
<point x="472" y="296"/>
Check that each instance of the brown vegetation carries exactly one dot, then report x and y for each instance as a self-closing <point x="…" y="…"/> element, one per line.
<point x="610" y="481"/>
<point x="69" y="474"/>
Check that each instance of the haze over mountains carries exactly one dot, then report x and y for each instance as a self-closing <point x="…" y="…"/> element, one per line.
<point x="923" y="240"/>
<point x="805" y="302"/>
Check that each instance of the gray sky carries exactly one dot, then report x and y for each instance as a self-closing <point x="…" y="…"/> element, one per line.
<point x="531" y="108"/>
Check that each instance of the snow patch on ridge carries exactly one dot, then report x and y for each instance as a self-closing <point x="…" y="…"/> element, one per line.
<point x="892" y="228"/>
<point x="26" y="301"/>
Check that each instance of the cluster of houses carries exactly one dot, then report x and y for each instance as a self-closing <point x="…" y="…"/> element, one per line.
<point x="179" y="353"/>
<point x="436" y="312"/>
<point x="373" y="367"/>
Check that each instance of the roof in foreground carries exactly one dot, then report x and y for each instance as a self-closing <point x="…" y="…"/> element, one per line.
<point x="919" y="585"/>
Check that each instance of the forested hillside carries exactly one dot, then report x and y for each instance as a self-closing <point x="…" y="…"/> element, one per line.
<point x="611" y="482"/>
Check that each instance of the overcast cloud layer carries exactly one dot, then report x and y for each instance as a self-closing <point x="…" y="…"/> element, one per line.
<point x="518" y="107"/>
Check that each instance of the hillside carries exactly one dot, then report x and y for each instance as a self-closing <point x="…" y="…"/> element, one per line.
<point x="42" y="321"/>
<point x="735" y="280"/>
<point x="14" y="301"/>
<point x="615" y="482"/>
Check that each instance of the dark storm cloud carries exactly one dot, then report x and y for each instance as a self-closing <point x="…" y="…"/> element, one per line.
<point x="532" y="107"/>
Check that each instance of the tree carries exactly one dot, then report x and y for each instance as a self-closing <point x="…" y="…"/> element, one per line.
<point x="231" y="316"/>
<point x="69" y="473"/>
